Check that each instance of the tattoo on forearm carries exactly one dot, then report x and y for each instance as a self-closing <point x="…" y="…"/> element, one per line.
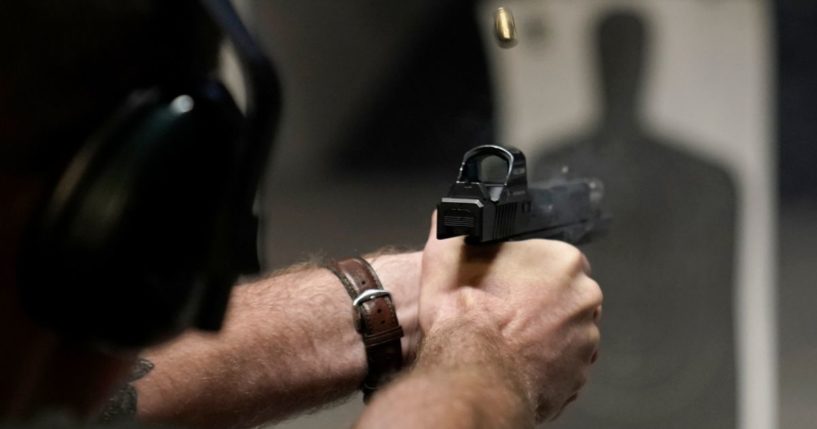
<point x="122" y="405"/>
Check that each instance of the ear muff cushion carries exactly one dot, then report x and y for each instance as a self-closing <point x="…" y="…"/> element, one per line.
<point x="135" y="236"/>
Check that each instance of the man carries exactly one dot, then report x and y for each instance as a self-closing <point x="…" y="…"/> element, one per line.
<point x="498" y="336"/>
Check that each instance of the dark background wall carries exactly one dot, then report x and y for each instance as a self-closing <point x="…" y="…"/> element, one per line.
<point x="796" y="22"/>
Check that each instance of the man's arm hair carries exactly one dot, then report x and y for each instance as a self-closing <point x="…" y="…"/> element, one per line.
<point x="288" y="345"/>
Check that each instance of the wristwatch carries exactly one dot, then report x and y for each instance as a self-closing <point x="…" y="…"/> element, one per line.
<point x="375" y="320"/>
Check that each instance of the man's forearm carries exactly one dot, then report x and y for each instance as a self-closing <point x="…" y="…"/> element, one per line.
<point x="288" y="345"/>
<point x="461" y="380"/>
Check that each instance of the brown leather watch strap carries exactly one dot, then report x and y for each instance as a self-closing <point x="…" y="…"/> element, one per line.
<point x="375" y="320"/>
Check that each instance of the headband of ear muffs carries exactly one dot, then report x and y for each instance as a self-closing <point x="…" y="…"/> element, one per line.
<point x="140" y="237"/>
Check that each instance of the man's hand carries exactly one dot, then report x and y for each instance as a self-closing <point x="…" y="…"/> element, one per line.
<point x="534" y="296"/>
<point x="510" y="334"/>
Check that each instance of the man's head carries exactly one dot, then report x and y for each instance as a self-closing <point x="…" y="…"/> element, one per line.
<point x="67" y="65"/>
<point x="66" y="68"/>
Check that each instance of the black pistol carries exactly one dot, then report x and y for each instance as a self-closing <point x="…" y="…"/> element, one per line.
<point x="491" y="202"/>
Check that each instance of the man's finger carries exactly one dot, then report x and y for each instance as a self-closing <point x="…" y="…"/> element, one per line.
<point x="432" y="234"/>
<point x="586" y="263"/>
<point x="597" y="314"/>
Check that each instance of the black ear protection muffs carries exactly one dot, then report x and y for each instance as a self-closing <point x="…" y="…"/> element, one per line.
<point x="151" y="223"/>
